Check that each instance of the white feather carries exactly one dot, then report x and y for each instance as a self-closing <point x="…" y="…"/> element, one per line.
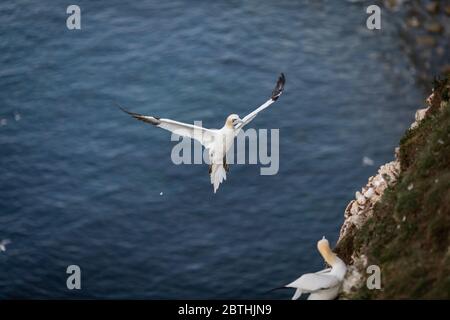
<point x="217" y="142"/>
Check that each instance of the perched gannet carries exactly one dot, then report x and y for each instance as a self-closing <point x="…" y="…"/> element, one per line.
<point x="325" y="284"/>
<point x="3" y="244"/>
<point x="216" y="141"/>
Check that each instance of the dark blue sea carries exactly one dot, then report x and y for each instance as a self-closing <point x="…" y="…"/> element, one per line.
<point x="81" y="182"/>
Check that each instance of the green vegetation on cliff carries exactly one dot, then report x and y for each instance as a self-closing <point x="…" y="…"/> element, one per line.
<point x="408" y="235"/>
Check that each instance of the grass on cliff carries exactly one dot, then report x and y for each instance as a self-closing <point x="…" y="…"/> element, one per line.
<point x="408" y="235"/>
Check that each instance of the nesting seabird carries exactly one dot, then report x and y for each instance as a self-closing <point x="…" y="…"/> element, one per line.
<point x="216" y="141"/>
<point x="324" y="284"/>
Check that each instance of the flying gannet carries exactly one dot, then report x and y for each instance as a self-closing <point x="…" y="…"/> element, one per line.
<point x="325" y="284"/>
<point x="216" y="141"/>
<point x="3" y="244"/>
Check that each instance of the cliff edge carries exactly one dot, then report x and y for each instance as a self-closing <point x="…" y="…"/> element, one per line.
<point x="400" y="221"/>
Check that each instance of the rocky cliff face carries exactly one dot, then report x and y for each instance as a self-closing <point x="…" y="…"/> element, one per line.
<point x="400" y="221"/>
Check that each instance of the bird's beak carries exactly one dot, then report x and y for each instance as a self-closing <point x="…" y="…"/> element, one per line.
<point x="237" y="121"/>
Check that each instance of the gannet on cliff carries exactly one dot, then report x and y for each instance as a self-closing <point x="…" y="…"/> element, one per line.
<point x="325" y="284"/>
<point x="216" y="141"/>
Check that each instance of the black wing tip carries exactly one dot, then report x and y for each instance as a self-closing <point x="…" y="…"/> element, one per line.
<point x="140" y="116"/>
<point x="126" y="111"/>
<point x="279" y="87"/>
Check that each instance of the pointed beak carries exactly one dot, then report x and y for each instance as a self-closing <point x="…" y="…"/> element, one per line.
<point x="237" y="121"/>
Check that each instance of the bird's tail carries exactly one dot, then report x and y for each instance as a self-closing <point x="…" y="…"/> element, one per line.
<point x="218" y="175"/>
<point x="297" y="294"/>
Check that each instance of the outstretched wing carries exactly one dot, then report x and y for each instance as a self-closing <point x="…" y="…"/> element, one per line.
<point x="202" y="135"/>
<point x="276" y="93"/>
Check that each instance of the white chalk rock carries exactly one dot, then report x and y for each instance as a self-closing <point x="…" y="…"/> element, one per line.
<point x="354" y="208"/>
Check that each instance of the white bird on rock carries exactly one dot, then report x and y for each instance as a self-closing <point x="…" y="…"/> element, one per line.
<point x="216" y="141"/>
<point x="325" y="284"/>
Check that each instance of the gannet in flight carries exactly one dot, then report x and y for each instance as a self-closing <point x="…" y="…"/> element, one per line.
<point x="325" y="284"/>
<point x="3" y="244"/>
<point x="216" y="141"/>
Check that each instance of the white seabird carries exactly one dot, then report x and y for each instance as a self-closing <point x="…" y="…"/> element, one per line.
<point x="216" y="141"/>
<point x="325" y="284"/>
<point x="3" y="244"/>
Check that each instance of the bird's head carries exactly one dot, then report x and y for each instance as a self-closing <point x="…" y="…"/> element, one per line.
<point x="324" y="248"/>
<point x="233" y="121"/>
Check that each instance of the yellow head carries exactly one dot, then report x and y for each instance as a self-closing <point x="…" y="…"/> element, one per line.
<point x="232" y="121"/>
<point x="324" y="248"/>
